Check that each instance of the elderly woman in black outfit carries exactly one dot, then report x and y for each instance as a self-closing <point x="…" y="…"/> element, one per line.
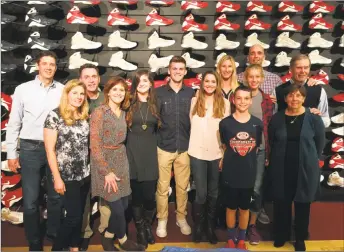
<point x="296" y="138"/>
<point x="143" y="120"/>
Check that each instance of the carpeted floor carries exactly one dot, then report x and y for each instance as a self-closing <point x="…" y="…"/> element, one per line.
<point x="326" y="223"/>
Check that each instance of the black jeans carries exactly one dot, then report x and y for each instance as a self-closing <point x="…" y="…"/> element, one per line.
<point x="74" y="200"/>
<point x="143" y="194"/>
<point x="34" y="165"/>
<point x="206" y="177"/>
<point x="282" y="220"/>
<point x="117" y="222"/>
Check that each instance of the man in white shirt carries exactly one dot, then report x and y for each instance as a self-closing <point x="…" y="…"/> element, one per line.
<point x="32" y="102"/>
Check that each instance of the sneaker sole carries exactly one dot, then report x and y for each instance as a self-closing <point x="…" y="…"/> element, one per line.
<point x="330" y="184"/>
<point x="254" y="243"/>
<point x="161" y="236"/>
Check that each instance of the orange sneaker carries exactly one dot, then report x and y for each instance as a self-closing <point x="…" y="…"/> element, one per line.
<point x="241" y="245"/>
<point x="230" y="244"/>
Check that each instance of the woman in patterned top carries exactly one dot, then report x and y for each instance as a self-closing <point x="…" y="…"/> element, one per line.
<point x="109" y="162"/>
<point x="66" y="132"/>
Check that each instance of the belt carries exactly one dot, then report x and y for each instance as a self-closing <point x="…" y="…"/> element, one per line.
<point x="31" y="141"/>
<point x="113" y="147"/>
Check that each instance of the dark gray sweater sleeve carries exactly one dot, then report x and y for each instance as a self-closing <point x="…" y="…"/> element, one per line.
<point x="319" y="133"/>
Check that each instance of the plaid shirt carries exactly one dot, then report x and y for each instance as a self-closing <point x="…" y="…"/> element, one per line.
<point x="267" y="109"/>
<point x="271" y="81"/>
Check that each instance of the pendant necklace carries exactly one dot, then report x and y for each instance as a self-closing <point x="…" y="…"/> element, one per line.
<point x="294" y="119"/>
<point x="144" y="121"/>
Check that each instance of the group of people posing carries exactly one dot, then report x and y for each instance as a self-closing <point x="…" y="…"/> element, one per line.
<point x="233" y="134"/>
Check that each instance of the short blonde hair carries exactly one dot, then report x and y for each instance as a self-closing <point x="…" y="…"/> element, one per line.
<point x="253" y="67"/>
<point x="66" y="113"/>
<point x="234" y="78"/>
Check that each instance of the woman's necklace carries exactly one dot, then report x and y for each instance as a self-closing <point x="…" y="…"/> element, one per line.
<point x="294" y="119"/>
<point x="144" y="121"/>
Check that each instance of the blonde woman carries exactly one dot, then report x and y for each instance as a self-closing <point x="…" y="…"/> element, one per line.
<point x="207" y="110"/>
<point x="66" y="132"/>
<point x="228" y="76"/>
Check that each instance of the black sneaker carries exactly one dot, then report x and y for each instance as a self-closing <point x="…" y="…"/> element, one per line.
<point x="7" y="46"/>
<point x="300" y="246"/>
<point x="33" y="19"/>
<point x="6" y="19"/>
<point x="6" y="68"/>
<point x="36" y="42"/>
<point x="29" y="65"/>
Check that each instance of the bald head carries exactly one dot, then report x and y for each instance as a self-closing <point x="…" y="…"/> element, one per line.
<point x="256" y="55"/>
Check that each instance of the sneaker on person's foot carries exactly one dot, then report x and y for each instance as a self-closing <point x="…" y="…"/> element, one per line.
<point x="241" y="245"/>
<point x="184" y="227"/>
<point x="263" y="217"/>
<point x="253" y="235"/>
<point x="161" y="229"/>
<point x="230" y="244"/>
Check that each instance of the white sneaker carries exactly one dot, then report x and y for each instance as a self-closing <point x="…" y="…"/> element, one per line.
<point x="192" y="63"/>
<point x="283" y="40"/>
<point x="220" y="56"/>
<point x="161" y="230"/>
<point x="115" y="40"/>
<point x="155" y="63"/>
<point x="253" y="40"/>
<point x="339" y="131"/>
<point x="223" y="43"/>
<point x="322" y="178"/>
<point x="75" y="61"/>
<point x="12" y="216"/>
<point x="4" y="166"/>
<point x="154" y="41"/>
<point x="341" y="43"/>
<point x="316" y="58"/>
<point x="80" y="42"/>
<point x="335" y="180"/>
<point x="3" y="146"/>
<point x="185" y="229"/>
<point x="339" y="119"/>
<point x="117" y="60"/>
<point x="315" y="40"/>
<point x="29" y="64"/>
<point x="282" y="59"/>
<point x="190" y="42"/>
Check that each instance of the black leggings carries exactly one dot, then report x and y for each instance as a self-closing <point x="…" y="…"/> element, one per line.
<point x="282" y="220"/>
<point x="143" y="194"/>
<point x="74" y="201"/>
<point x="117" y="222"/>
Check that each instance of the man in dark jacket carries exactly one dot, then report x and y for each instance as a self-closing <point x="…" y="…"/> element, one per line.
<point x="316" y="99"/>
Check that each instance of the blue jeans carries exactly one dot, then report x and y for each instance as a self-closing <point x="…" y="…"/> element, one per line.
<point x="256" y="204"/>
<point x="206" y="177"/>
<point x="34" y="164"/>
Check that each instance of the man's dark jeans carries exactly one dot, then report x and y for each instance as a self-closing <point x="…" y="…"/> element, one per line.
<point x="34" y="164"/>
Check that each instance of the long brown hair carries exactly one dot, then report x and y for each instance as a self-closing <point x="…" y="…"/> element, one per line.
<point x="134" y="101"/>
<point x="219" y="108"/>
<point x="113" y="81"/>
<point x="67" y="114"/>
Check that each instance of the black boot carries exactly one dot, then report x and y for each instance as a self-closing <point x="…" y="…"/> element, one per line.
<point x="300" y="245"/>
<point x="140" y="226"/>
<point x="108" y="244"/>
<point x="131" y="246"/>
<point x="198" y="216"/>
<point x="148" y="217"/>
<point x="211" y="213"/>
